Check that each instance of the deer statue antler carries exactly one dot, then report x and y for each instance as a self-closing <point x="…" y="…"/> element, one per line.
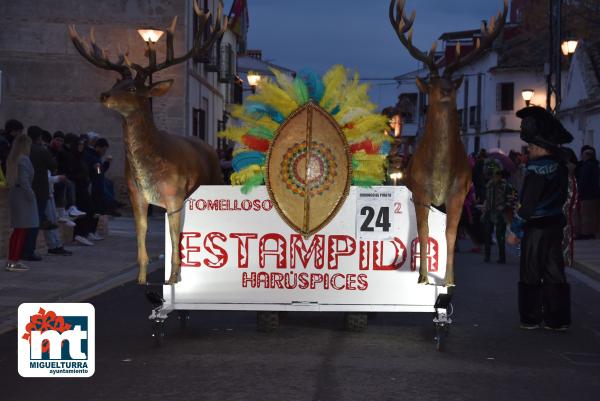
<point x="489" y="33"/>
<point x="402" y="25"/>
<point x="201" y="46"/>
<point x="98" y="56"/>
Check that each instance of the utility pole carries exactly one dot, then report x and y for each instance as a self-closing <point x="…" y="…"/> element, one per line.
<point x="552" y="68"/>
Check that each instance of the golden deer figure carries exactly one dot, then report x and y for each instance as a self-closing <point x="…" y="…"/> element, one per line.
<point x="160" y="169"/>
<point x="439" y="173"/>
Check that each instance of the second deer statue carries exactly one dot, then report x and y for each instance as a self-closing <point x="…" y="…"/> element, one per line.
<point x="160" y="169"/>
<point x="439" y="172"/>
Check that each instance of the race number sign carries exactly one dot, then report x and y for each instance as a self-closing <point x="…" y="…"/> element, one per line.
<point x="238" y="253"/>
<point x="375" y="208"/>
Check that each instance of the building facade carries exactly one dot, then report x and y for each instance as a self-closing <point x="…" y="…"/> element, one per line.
<point x="580" y="107"/>
<point x="45" y="82"/>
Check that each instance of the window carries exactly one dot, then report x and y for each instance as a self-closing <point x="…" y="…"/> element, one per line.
<point x="472" y="116"/>
<point x="505" y="96"/>
<point x="199" y="123"/>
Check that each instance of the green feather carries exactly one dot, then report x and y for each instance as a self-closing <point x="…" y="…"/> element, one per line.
<point x="365" y="182"/>
<point x="301" y="91"/>
<point x="252" y="182"/>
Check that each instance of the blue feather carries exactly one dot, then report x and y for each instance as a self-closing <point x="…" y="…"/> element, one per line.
<point x="245" y="159"/>
<point x="335" y="110"/>
<point x="314" y="83"/>
<point x="259" y="110"/>
<point x="385" y="148"/>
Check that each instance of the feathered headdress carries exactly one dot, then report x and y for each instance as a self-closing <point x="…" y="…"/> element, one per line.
<point x="345" y="98"/>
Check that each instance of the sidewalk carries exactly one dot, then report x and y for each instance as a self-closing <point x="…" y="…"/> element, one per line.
<point x="587" y="257"/>
<point x="90" y="271"/>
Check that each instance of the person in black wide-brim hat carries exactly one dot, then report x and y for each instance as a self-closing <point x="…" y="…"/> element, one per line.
<point x="544" y="294"/>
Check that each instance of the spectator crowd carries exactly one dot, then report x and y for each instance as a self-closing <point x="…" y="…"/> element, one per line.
<point x="497" y="181"/>
<point x="53" y="179"/>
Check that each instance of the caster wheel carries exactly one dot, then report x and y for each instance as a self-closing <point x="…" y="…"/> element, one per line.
<point x="184" y="319"/>
<point x="355" y="322"/>
<point x="267" y="322"/>
<point x="440" y="337"/>
<point x="158" y="333"/>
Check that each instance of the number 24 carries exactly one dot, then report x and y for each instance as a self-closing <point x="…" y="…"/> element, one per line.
<point x="382" y="221"/>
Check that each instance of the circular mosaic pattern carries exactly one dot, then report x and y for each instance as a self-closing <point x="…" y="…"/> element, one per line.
<point x="319" y="170"/>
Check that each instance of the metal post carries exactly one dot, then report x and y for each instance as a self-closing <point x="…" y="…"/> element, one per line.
<point x="466" y="115"/>
<point x="558" y="55"/>
<point x="554" y="75"/>
<point x="150" y="98"/>
<point x="478" y="117"/>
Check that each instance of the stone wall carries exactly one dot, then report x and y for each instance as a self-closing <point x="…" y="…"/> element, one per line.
<point x="46" y="82"/>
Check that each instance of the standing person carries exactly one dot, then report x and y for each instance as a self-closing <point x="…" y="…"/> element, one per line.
<point x="85" y="225"/>
<point x="42" y="162"/>
<point x="544" y="294"/>
<point x="67" y="165"/>
<point x="570" y="207"/>
<point x="479" y="178"/>
<point x="588" y="174"/>
<point x="98" y="165"/>
<point x="497" y="201"/>
<point x="21" y="199"/>
<point x="12" y="129"/>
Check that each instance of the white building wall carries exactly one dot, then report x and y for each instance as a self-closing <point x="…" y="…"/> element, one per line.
<point x="205" y="92"/>
<point x="578" y="113"/>
<point x="499" y="128"/>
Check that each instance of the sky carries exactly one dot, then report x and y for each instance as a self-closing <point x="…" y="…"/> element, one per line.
<point x="356" y="33"/>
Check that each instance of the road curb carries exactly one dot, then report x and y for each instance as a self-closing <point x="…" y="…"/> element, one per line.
<point x="586" y="269"/>
<point x="8" y="322"/>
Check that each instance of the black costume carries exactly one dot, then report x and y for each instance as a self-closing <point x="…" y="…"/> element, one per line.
<point x="544" y="294"/>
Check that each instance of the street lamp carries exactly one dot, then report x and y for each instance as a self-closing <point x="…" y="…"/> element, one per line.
<point x="396" y="176"/>
<point x="150" y="36"/>
<point x="527" y="95"/>
<point x="253" y="80"/>
<point x="568" y="47"/>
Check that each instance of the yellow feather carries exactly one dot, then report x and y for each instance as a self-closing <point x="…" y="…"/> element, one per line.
<point x="251" y="122"/>
<point x="334" y="80"/>
<point x="240" y="149"/>
<point x="271" y="94"/>
<point x="352" y="114"/>
<point x="286" y="83"/>
<point x="372" y="123"/>
<point x="233" y="133"/>
<point x="369" y="166"/>
<point x="240" y="177"/>
<point x="356" y="96"/>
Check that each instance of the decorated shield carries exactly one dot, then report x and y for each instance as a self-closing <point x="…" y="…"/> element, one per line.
<point x="308" y="169"/>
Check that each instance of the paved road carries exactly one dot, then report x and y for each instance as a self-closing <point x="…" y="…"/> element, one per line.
<point x="222" y="356"/>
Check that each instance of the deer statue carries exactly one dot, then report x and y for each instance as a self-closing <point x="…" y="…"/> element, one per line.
<point x="439" y="173"/>
<point x="160" y="169"/>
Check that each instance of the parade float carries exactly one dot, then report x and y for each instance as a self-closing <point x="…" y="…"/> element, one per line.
<point x="308" y="224"/>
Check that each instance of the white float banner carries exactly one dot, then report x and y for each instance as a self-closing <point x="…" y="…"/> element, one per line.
<point x="237" y="250"/>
